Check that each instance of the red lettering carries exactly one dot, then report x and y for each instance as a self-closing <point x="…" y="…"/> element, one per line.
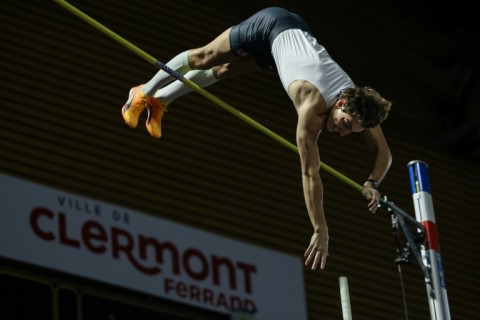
<point x="248" y="269"/>
<point x="148" y="255"/>
<point x="146" y="242"/>
<point x="62" y="226"/>
<point x="35" y="216"/>
<point x="235" y="303"/>
<point x="127" y="248"/>
<point x="194" y="293"/>
<point x="203" y="273"/>
<point x="216" y="264"/>
<point x="181" y="289"/>
<point x="249" y="306"/>
<point x="91" y="231"/>
<point x="222" y="301"/>
<point x="208" y="296"/>
<point x="168" y="285"/>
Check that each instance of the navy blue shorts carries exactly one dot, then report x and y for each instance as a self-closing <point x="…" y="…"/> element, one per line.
<point x="255" y="35"/>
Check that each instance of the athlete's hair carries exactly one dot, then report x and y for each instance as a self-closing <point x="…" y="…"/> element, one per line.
<point x="367" y="104"/>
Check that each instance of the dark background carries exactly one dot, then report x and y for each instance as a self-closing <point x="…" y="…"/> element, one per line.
<point x="63" y="83"/>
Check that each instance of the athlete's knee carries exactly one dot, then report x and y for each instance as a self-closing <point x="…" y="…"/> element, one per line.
<point x="200" y="59"/>
<point x="223" y="71"/>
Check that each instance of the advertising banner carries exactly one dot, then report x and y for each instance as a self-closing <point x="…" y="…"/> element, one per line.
<point x="120" y="246"/>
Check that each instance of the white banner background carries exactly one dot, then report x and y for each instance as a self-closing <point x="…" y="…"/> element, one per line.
<point x="270" y="281"/>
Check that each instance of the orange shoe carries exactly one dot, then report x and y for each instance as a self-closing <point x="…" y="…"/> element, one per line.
<point x="136" y="103"/>
<point x="155" y="113"/>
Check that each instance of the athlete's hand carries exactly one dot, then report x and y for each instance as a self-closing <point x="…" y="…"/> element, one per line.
<point x="317" y="251"/>
<point x="373" y="197"/>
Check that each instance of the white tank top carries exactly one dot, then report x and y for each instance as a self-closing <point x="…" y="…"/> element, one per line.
<point x="298" y="56"/>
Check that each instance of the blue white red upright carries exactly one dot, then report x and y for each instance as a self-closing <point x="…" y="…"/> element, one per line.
<point x="422" y="200"/>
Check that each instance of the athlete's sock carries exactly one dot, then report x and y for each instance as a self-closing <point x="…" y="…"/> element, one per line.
<point x="179" y="63"/>
<point x="203" y="78"/>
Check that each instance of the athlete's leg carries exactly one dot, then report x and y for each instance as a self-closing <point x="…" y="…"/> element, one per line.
<point x="179" y="63"/>
<point x="139" y="97"/>
<point x="204" y="78"/>
<point x="240" y="65"/>
<point x="211" y="62"/>
<point x="213" y="54"/>
<point x="176" y="89"/>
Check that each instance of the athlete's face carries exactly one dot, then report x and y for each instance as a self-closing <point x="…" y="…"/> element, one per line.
<point x="342" y="123"/>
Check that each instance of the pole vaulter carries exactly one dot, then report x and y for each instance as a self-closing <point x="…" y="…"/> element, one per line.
<point x="198" y="89"/>
<point x="401" y="215"/>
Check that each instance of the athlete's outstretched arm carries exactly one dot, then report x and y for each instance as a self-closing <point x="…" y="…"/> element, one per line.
<point x="377" y="144"/>
<point x="308" y="129"/>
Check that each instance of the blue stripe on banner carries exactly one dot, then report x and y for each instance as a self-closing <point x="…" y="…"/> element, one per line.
<point x="418" y="171"/>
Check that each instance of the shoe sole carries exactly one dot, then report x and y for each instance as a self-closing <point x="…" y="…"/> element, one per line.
<point x="147" y="124"/>
<point x="127" y="105"/>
